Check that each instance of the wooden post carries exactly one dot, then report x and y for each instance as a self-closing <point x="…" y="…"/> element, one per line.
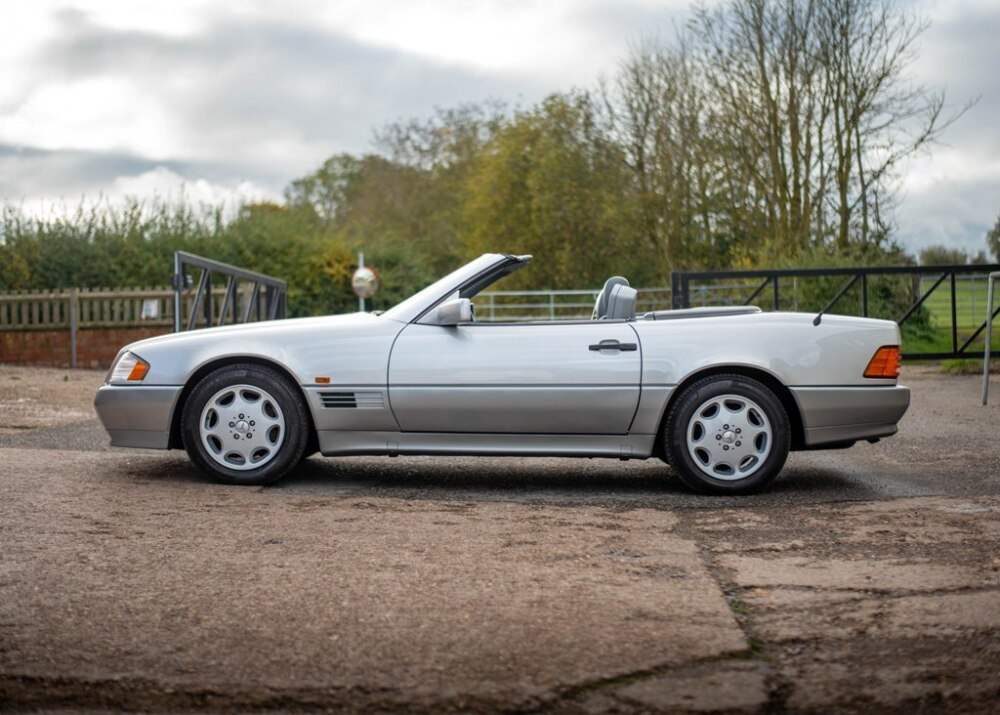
<point x="74" y="313"/>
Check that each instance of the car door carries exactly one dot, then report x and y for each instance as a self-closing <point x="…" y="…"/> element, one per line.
<point x="523" y="378"/>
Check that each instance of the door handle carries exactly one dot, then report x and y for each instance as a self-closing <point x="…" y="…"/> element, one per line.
<point x="614" y="345"/>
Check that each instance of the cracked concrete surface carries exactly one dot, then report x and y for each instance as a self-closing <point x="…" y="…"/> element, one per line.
<point x="423" y="585"/>
<point x="890" y="605"/>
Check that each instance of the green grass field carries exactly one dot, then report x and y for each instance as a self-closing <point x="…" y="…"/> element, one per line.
<point x="970" y="301"/>
<point x="970" y="313"/>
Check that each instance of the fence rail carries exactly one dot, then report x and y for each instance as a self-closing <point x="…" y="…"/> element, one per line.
<point x="243" y="294"/>
<point x="514" y="305"/>
<point x="94" y="308"/>
<point x="77" y="309"/>
<point x="248" y="296"/>
<point x="938" y="307"/>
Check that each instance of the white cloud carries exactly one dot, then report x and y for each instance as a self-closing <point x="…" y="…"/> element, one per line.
<point x="92" y="113"/>
<point x="950" y="199"/>
<point x="546" y="39"/>
<point x="156" y="186"/>
<point x="171" y="186"/>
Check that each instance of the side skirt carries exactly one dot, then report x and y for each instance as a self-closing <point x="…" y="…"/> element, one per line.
<point x="637" y="446"/>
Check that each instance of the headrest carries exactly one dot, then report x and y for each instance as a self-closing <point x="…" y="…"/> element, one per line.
<point x="621" y="303"/>
<point x="601" y="306"/>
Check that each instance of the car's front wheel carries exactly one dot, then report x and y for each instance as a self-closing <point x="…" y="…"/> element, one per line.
<point x="245" y="424"/>
<point x="727" y="434"/>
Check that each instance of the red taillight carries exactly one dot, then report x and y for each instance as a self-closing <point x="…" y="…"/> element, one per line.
<point x="884" y="363"/>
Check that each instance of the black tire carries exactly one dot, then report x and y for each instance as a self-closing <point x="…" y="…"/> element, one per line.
<point x="260" y="449"/>
<point x="719" y="413"/>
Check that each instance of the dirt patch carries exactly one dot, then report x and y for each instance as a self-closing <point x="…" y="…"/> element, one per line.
<point x="33" y="397"/>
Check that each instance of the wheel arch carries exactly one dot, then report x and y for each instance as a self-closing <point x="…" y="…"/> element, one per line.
<point x="771" y="382"/>
<point x="176" y="440"/>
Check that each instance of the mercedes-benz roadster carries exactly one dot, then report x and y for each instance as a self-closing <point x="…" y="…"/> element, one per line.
<point x="720" y="394"/>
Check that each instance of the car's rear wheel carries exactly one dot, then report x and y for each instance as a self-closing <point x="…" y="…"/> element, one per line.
<point x="727" y="434"/>
<point x="245" y="424"/>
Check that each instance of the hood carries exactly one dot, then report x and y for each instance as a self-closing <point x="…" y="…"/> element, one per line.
<point x="266" y="329"/>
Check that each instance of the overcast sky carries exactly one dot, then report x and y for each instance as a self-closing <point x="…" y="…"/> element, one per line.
<point x="129" y="97"/>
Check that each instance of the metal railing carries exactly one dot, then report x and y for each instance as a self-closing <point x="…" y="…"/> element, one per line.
<point x="242" y="299"/>
<point x="989" y="335"/>
<point x="777" y="288"/>
<point x="516" y="305"/>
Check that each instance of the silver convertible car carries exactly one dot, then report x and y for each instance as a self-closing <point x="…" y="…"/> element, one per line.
<point x="720" y="394"/>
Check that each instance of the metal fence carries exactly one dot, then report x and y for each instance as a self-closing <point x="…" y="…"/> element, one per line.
<point x="511" y="305"/>
<point x="939" y="308"/>
<point x="248" y="296"/>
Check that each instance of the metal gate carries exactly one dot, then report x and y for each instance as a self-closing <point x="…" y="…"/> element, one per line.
<point x="247" y="297"/>
<point x="956" y="337"/>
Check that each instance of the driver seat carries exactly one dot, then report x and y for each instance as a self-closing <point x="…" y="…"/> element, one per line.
<point x="601" y="306"/>
<point x="621" y="303"/>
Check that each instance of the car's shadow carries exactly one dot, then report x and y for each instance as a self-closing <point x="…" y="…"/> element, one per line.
<point x="807" y="478"/>
<point x="559" y="482"/>
<point x="567" y="482"/>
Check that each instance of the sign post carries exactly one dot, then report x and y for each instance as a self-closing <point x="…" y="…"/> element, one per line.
<point x="364" y="282"/>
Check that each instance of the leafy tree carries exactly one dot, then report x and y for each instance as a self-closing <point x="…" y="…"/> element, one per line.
<point x="329" y="189"/>
<point x="438" y="157"/>
<point x="945" y="256"/>
<point x="658" y="112"/>
<point x="553" y="183"/>
<point x="290" y="242"/>
<point x="993" y="240"/>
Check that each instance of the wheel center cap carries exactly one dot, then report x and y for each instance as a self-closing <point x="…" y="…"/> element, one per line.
<point x="728" y="436"/>
<point x="242" y="426"/>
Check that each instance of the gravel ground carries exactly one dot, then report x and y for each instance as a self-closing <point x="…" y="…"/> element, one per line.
<point x="864" y="579"/>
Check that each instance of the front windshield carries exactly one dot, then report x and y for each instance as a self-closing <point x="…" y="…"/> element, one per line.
<point x="416" y="303"/>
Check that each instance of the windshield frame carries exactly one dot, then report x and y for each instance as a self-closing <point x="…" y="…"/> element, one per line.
<point x="476" y="276"/>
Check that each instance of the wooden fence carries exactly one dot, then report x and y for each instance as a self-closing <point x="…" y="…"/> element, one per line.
<point x="80" y="310"/>
<point x="86" y="308"/>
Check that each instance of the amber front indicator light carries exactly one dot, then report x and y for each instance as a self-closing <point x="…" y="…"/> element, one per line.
<point x="138" y="372"/>
<point x="884" y="364"/>
<point x="130" y="368"/>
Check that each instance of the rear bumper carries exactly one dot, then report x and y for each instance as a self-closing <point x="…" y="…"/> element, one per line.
<point x="832" y="415"/>
<point x="137" y="415"/>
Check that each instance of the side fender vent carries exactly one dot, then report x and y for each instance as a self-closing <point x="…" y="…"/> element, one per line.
<point x="343" y="400"/>
<point x="352" y="400"/>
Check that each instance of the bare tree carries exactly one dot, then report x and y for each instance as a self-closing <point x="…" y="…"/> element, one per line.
<point x="657" y="108"/>
<point x="880" y="117"/>
<point x="774" y="125"/>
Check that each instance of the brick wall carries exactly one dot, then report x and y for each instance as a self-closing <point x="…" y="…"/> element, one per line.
<point x="95" y="347"/>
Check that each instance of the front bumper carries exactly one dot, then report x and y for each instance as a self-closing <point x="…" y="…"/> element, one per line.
<point x="832" y="415"/>
<point x="137" y="415"/>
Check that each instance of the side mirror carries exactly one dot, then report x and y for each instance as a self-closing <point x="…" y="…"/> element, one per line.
<point x="453" y="312"/>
